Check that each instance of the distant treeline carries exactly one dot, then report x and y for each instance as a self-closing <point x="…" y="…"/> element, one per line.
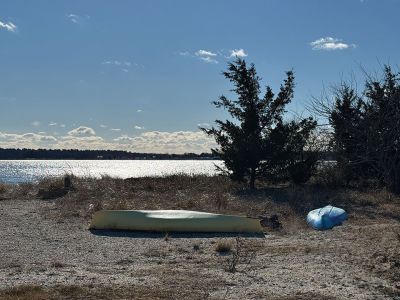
<point x="92" y="154"/>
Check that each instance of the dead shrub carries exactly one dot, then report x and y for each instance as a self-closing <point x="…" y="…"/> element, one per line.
<point x="24" y="191"/>
<point x="51" y="188"/>
<point x="196" y="247"/>
<point x="57" y="265"/>
<point x="237" y="253"/>
<point x="223" y="246"/>
<point x="3" y="188"/>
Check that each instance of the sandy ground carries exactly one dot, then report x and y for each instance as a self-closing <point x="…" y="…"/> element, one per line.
<point x="359" y="260"/>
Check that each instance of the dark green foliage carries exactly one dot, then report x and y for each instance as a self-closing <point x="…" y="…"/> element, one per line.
<point x="284" y="151"/>
<point x="257" y="142"/>
<point x="367" y="131"/>
<point x="346" y="120"/>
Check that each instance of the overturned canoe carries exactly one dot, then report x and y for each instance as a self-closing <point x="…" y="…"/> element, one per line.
<point x="172" y="220"/>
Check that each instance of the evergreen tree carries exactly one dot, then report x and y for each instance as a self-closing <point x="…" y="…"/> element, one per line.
<point x="366" y="130"/>
<point x="256" y="141"/>
<point x="346" y="118"/>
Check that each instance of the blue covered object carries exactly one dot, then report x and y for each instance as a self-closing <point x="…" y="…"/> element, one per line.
<point x="326" y="217"/>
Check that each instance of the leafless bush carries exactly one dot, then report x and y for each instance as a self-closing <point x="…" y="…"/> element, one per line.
<point x="240" y="255"/>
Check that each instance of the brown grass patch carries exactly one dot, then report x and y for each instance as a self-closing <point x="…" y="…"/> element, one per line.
<point x="34" y="292"/>
<point x="223" y="246"/>
<point x="217" y="194"/>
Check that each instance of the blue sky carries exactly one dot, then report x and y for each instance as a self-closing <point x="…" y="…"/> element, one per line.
<point x="140" y="75"/>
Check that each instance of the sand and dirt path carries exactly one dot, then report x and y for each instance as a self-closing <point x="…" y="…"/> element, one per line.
<point x="348" y="262"/>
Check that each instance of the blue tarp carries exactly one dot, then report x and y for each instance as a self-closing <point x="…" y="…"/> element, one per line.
<point x="326" y="217"/>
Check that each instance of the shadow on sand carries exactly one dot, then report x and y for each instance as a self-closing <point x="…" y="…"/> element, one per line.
<point x="179" y="235"/>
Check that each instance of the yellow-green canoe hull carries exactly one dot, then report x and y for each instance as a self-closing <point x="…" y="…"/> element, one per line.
<point x="172" y="220"/>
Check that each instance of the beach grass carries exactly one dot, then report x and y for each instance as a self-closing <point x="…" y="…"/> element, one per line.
<point x="216" y="194"/>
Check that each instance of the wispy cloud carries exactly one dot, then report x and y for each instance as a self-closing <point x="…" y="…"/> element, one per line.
<point x="82" y="131"/>
<point x="52" y="124"/>
<point x="117" y="63"/>
<point x="237" y="53"/>
<point x="9" y="26"/>
<point x="123" y="65"/>
<point x="205" y="53"/>
<point x="184" y="53"/>
<point x="139" y="111"/>
<point x="115" y="129"/>
<point x="77" y="19"/>
<point x="35" y="123"/>
<point x="330" y="43"/>
<point x="103" y="126"/>
<point x="214" y="57"/>
<point x="137" y="127"/>
<point x="207" y="56"/>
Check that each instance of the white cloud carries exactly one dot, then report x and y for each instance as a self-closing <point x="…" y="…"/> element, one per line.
<point x="206" y="56"/>
<point x="62" y="125"/>
<point x="237" y="53"/>
<point x="82" y="131"/>
<point x="115" y="129"/>
<point x="111" y="62"/>
<point x="139" y="127"/>
<point x="38" y="137"/>
<point x="85" y="138"/>
<point x="124" y="138"/>
<point x="103" y="126"/>
<point x="82" y="142"/>
<point x="168" y="142"/>
<point x="213" y="57"/>
<point x="52" y="124"/>
<point x="208" y="59"/>
<point x="9" y="26"/>
<point x="77" y="19"/>
<point x="122" y="65"/>
<point x="35" y="123"/>
<point x="330" y="43"/>
<point x="117" y="63"/>
<point x="205" y="53"/>
<point x="73" y="18"/>
<point x="203" y="125"/>
<point x="139" y="111"/>
<point x="27" y="140"/>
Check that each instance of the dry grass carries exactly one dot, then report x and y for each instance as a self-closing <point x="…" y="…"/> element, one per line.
<point x="223" y="246"/>
<point x="25" y="292"/>
<point x="203" y="193"/>
<point x="180" y="276"/>
<point x="34" y="292"/>
<point x="3" y="188"/>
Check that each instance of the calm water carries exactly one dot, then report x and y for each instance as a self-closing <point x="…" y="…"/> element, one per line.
<point x="16" y="171"/>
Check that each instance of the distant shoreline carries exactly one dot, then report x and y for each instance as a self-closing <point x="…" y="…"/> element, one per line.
<point x="75" y="154"/>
